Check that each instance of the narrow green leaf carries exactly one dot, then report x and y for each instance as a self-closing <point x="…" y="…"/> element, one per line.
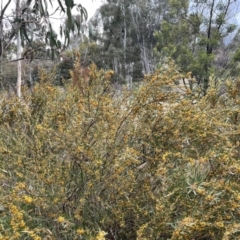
<point x="60" y="4"/>
<point x="46" y="7"/>
<point x="24" y="9"/>
<point x="78" y="25"/>
<point x="52" y="54"/>
<point x="69" y="15"/>
<point x="53" y="41"/>
<point x="59" y="44"/>
<point x="69" y="3"/>
<point x="61" y="31"/>
<point x="42" y="12"/>
<point x="51" y="3"/>
<point x="68" y="41"/>
<point x="24" y="32"/>
<point x="85" y="14"/>
<point x="66" y="33"/>
<point x="47" y="37"/>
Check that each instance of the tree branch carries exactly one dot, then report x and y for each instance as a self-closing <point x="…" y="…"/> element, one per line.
<point x="3" y="10"/>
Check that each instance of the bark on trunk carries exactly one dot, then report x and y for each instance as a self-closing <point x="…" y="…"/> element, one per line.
<point x="19" y="63"/>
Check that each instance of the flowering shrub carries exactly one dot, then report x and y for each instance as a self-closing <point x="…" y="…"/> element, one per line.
<point x="98" y="164"/>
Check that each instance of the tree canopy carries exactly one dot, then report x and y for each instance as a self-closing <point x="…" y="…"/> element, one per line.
<point x="34" y="18"/>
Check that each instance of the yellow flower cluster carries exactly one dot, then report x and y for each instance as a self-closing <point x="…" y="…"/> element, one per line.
<point x="101" y="235"/>
<point x="27" y="199"/>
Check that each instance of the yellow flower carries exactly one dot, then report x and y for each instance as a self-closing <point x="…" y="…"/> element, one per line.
<point x="61" y="219"/>
<point x="79" y="149"/>
<point x="209" y="198"/>
<point x="200" y="191"/>
<point x="219" y="224"/>
<point x="27" y="199"/>
<point x="19" y="174"/>
<point x="39" y="127"/>
<point x="37" y="238"/>
<point x="238" y="197"/>
<point x="21" y="224"/>
<point x="20" y="186"/>
<point x="80" y="231"/>
<point x="101" y="235"/>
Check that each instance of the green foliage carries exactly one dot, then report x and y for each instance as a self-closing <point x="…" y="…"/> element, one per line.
<point x="98" y="164"/>
<point x="195" y="39"/>
<point x="124" y="31"/>
<point x="236" y="56"/>
<point x="63" y="68"/>
<point x="33" y="19"/>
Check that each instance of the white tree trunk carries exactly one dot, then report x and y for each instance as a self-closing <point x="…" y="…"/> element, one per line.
<point x="124" y="46"/>
<point x="19" y="63"/>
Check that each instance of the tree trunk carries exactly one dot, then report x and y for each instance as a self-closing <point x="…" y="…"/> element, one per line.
<point x="145" y="57"/>
<point x="19" y="63"/>
<point x="124" y="47"/>
<point x="3" y="9"/>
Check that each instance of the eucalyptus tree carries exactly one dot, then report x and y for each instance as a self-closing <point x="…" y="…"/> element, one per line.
<point x="108" y="25"/>
<point x="195" y="33"/>
<point x="32" y="16"/>
<point x="125" y="33"/>
<point x="216" y="26"/>
<point x="146" y="17"/>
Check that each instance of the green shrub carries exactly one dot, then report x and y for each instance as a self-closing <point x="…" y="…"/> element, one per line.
<point x="96" y="164"/>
